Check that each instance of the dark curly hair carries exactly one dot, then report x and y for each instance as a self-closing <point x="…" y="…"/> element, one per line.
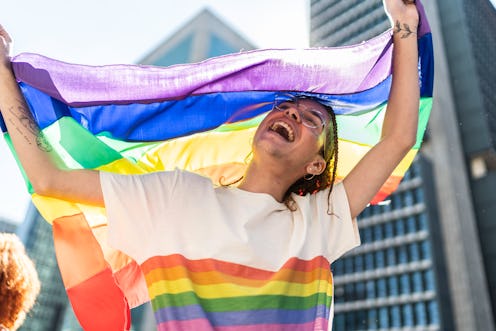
<point x="19" y="283"/>
<point x="330" y="154"/>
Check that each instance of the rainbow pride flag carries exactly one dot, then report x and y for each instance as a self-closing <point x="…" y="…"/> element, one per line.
<point x="199" y="117"/>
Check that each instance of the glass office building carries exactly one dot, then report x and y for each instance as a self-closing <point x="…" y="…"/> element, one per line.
<point x="392" y="281"/>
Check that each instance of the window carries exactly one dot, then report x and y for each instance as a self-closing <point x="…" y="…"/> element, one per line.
<point x="425" y="250"/>
<point x="366" y="235"/>
<point x="338" y="267"/>
<point x="383" y="318"/>
<point x="422" y="222"/>
<point x="339" y="294"/>
<point x="379" y="259"/>
<point x="402" y="254"/>
<point x="361" y="320"/>
<point x="393" y="286"/>
<point x="388" y="230"/>
<point x="348" y="265"/>
<point x="400" y="227"/>
<point x="378" y="232"/>
<point x="381" y="288"/>
<point x="372" y="319"/>
<point x="360" y="291"/>
<point x="417" y="282"/>
<point x="419" y="195"/>
<point x="405" y="284"/>
<point x="339" y="322"/>
<point x="396" y="201"/>
<point x="414" y="252"/>
<point x="391" y="256"/>
<point x="369" y="261"/>
<point x="407" y="315"/>
<point x="408" y="198"/>
<point x="429" y="280"/>
<point x="420" y="314"/>
<point x="433" y="313"/>
<point x="350" y="321"/>
<point x="370" y="289"/>
<point x="358" y="263"/>
<point x="349" y="292"/>
<point x="411" y="227"/>
<point x="395" y="317"/>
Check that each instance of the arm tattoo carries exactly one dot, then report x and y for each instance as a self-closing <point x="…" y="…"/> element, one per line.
<point x="30" y="127"/>
<point x="406" y="30"/>
<point x="43" y="143"/>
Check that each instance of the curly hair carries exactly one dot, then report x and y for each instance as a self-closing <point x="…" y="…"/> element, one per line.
<point x="19" y="283"/>
<point x="329" y="152"/>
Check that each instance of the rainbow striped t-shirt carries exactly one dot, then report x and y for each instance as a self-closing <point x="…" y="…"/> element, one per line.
<point x="220" y="258"/>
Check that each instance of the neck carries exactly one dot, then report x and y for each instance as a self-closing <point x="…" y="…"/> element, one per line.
<point x="266" y="180"/>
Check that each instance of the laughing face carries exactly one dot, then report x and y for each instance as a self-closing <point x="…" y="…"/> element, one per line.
<point x="293" y="133"/>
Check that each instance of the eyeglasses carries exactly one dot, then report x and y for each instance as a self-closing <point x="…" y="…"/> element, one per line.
<point x="310" y="117"/>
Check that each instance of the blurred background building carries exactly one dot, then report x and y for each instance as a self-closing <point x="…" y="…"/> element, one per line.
<point x="428" y="261"/>
<point x="7" y="226"/>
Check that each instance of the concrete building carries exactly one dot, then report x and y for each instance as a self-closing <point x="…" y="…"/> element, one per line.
<point x="6" y="226"/>
<point x="460" y="152"/>
<point x="203" y="37"/>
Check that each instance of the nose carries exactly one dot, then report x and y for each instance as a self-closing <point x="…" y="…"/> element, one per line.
<point x="293" y="113"/>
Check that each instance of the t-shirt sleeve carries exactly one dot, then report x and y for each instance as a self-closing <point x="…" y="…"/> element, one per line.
<point x="343" y="232"/>
<point x="140" y="206"/>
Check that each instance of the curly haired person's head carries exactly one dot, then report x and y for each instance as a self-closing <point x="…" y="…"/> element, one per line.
<point x="19" y="283"/>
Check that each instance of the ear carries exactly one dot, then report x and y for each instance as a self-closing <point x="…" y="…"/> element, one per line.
<point x="317" y="166"/>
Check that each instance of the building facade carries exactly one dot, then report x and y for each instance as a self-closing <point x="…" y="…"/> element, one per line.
<point x="6" y="226"/>
<point x="449" y="284"/>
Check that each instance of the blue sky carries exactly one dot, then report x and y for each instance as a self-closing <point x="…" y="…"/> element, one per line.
<point x="109" y="31"/>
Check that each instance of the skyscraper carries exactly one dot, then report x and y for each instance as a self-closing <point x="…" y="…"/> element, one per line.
<point x="456" y="267"/>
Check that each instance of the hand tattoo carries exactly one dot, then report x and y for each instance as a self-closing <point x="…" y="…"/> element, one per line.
<point x="406" y="30"/>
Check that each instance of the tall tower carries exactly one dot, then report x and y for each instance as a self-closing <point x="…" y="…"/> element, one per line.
<point x="445" y="286"/>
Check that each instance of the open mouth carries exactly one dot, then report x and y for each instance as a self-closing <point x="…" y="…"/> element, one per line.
<point x="283" y="129"/>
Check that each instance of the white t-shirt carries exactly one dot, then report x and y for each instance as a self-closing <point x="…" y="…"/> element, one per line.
<point x="221" y="258"/>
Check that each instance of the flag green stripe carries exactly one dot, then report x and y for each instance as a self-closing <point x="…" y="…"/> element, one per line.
<point x="241" y="303"/>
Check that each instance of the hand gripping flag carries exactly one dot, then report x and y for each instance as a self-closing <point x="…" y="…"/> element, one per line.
<point x="198" y="117"/>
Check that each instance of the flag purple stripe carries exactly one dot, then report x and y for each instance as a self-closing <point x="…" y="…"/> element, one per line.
<point x="326" y="70"/>
<point x="265" y="316"/>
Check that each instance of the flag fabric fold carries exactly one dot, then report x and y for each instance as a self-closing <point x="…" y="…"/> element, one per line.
<point x="199" y="117"/>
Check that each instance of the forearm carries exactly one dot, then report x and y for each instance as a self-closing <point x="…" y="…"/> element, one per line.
<point x="42" y="166"/>
<point x="401" y="119"/>
<point x="29" y="143"/>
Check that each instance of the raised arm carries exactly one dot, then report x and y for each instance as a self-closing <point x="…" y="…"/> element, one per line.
<point x="40" y="164"/>
<point x="401" y="119"/>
